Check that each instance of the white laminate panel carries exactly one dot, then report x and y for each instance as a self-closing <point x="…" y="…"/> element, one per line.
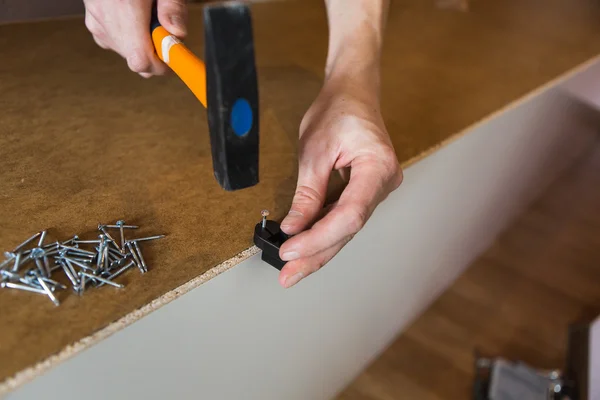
<point x="594" y="368"/>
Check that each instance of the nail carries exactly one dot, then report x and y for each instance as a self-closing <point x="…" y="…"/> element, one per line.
<point x="25" y="243"/>
<point x="78" y="250"/>
<point x="105" y="260"/>
<point x="21" y="287"/>
<point x="48" y="291"/>
<point x="51" y="245"/>
<point x="292" y="280"/>
<point x="79" y="264"/>
<point x="100" y="257"/>
<point x="177" y="21"/>
<point x="146" y="238"/>
<point x="17" y="263"/>
<point x="265" y="214"/>
<point x="70" y="273"/>
<point x="42" y="237"/>
<point x="71" y="241"/>
<point x="47" y="267"/>
<point x="54" y="284"/>
<point x="102" y="228"/>
<point x="119" y="272"/>
<point x="40" y="266"/>
<point x="138" y="263"/>
<point x="118" y="226"/>
<point x="97" y="278"/>
<point x="82" y="282"/>
<point x="85" y="241"/>
<point x="290" y="255"/>
<point x="140" y="256"/>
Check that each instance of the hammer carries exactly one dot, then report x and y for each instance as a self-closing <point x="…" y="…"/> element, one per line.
<point x="225" y="83"/>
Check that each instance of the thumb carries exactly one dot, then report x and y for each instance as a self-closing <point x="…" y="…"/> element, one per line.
<point x="308" y="199"/>
<point x="172" y="14"/>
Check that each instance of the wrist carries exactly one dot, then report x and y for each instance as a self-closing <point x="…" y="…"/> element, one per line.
<point x="355" y="41"/>
<point x="358" y="79"/>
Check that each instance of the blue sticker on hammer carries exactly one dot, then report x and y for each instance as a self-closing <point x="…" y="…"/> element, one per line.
<point x="241" y="117"/>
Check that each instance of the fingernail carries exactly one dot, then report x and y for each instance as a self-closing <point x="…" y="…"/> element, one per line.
<point x="289" y="219"/>
<point x="290" y="255"/>
<point x="292" y="280"/>
<point x="177" y="21"/>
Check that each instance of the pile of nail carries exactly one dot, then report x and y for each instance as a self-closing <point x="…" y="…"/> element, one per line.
<point x="33" y="265"/>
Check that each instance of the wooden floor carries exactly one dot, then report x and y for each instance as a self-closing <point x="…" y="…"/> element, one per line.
<point x="516" y="300"/>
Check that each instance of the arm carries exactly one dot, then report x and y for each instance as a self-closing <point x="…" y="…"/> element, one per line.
<point x="342" y="130"/>
<point x="355" y="41"/>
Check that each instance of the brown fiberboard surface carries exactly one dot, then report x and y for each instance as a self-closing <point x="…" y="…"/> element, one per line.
<point x="82" y="140"/>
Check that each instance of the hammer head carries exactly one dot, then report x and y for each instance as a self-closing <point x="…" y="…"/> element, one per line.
<point x="232" y="94"/>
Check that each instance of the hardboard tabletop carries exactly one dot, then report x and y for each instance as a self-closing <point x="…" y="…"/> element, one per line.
<point x="83" y="140"/>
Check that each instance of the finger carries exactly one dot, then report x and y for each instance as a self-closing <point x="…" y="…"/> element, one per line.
<point x="294" y="271"/>
<point x="98" y="33"/>
<point x="145" y="75"/>
<point x="310" y="195"/>
<point x="137" y="47"/>
<point x="172" y="14"/>
<point x="356" y="204"/>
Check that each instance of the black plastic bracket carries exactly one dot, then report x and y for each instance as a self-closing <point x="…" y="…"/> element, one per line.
<point x="269" y="239"/>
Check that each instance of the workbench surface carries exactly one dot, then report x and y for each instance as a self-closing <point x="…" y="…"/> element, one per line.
<point x="83" y="140"/>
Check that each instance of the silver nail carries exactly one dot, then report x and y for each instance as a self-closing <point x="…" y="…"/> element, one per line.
<point x="78" y="250"/>
<point x="17" y="264"/>
<point x="82" y="283"/>
<point x="69" y="273"/>
<point x="120" y="224"/>
<point x="117" y="226"/>
<point x="48" y="291"/>
<point x="97" y="278"/>
<point x="53" y="284"/>
<point x="115" y="252"/>
<point x="138" y="263"/>
<point x="86" y="241"/>
<point x="120" y="271"/>
<point x="25" y="243"/>
<point x="21" y="287"/>
<point x="14" y="277"/>
<point x="79" y="264"/>
<point x="140" y="256"/>
<point x="265" y="214"/>
<point x="47" y="266"/>
<point x="40" y="266"/>
<point x="80" y="259"/>
<point x="106" y="259"/>
<point x="100" y="249"/>
<point x="42" y="237"/>
<point x="102" y="228"/>
<point x="50" y="245"/>
<point x="71" y="241"/>
<point x="147" y="238"/>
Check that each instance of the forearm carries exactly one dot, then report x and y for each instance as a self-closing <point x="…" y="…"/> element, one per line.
<point x="355" y="39"/>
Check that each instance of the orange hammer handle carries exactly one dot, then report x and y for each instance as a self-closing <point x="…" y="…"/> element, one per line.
<point x="190" y="69"/>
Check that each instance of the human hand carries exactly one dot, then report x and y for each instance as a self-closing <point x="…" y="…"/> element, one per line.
<point x="124" y="27"/>
<point x="342" y="129"/>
